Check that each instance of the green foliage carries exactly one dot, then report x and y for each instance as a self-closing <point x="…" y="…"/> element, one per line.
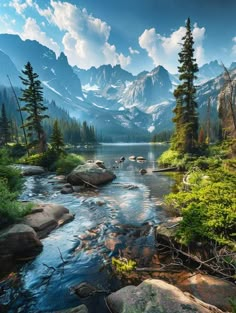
<point x="17" y="151"/>
<point x="205" y="163"/>
<point x="230" y="165"/>
<point x="185" y="139"/>
<point x="232" y="302"/>
<point x="5" y="157"/>
<point x="123" y="265"/>
<point x="162" y="136"/>
<point x="5" y="127"/>
<point x="57" y="142"/>
<point x="174" y="159"/>
<point x="32" y="95"/>
<point x="47" y="159"/>
<point x="9" y="207"/>
<point x="66" y="163"/>
<point x="12" y="177"/>
<point x="208" y="208"/>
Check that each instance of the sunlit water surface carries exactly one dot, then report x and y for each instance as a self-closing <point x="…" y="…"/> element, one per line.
<point x="131" y="199"/>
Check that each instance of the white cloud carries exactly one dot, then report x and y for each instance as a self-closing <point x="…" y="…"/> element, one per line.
<point x="32" y="31"/>
<point x="149" y="40"/>
<point x="234" y="47"/>
<point x="164" y="50"/>
<point x="133" y="51"/>
<point x="20" y="6"/>
<point x="86" y="38"/>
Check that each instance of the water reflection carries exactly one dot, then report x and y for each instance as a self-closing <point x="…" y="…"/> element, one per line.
<point x="86" y="243"/>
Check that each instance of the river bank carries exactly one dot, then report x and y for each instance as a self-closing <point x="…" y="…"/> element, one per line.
<point x="118" y="218"/>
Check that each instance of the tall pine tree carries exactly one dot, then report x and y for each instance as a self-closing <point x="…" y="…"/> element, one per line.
<point x="57" y="141"/>
<point x="185" y="139"/>
<point x="5" y="127"/>
<point x="32" y="95"/>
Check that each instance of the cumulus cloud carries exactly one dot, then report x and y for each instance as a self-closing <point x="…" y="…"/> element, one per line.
<point x="33" y="31"/>
<point x="86" y="38"/>
<point x="133" y="51"/>
<point x="20" y="6"/>
<point x="164" y="50"/>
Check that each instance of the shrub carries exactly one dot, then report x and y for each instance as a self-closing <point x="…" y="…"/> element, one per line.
<point x="46" y="159"/>
<point x="12" y="177"/>
<point x="9" y="207"/>
<point x="205" y="163"/>
<point x="66" y="163"/>
<point x="208" y="209"/>
<point x="175" y="159"/>
<point x="17" y="150"/>
<point x="5" y="158"/>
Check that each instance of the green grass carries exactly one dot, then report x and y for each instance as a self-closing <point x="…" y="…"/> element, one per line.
<point x="10" y="208"/>
<point x="66" y="163"/>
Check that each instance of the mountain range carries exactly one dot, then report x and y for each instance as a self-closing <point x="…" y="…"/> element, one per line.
<point x="121" y="106"/>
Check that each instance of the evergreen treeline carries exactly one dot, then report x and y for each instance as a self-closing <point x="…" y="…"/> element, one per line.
<point x="73" y="131"/>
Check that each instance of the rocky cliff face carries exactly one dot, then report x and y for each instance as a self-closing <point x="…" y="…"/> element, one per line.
<point x="227" y="106"/>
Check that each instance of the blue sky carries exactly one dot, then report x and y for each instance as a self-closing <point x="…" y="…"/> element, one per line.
<point x="138" y="34"/>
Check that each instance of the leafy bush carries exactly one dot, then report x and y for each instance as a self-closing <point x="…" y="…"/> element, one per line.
<point x="46" y="159"/>
<point x="175" y="159"/>
<point x="5" y="157"/>
<point x="12" y="177"/>
<point x="205" y="163"/>
<point x="9" y="207"/>
<point x="17" y="150"/>
<point x="208" y="209"/>
<point x="66" y="163"/>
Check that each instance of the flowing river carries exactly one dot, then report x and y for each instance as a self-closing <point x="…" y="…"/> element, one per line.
<point x="45" y="284"/>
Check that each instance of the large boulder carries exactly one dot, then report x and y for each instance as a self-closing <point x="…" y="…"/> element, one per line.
<point x="209" y="289"/>
<point x="46" y="217"/>
<point x="18" y="241"/>
<point x="154" y="295"/>
<point x="90" y="173"/>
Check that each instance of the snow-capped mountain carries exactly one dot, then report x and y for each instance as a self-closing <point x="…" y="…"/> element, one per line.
<point x="105" y="75"/>
<point x="209" y="71"/>
<point x="119" y="104"/>
<point x="149" y="89"/>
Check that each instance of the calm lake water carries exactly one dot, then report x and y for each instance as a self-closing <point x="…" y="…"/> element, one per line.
<point x="80" y="250"/>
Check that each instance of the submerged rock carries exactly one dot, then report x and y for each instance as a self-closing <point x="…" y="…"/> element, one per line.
<point x="67" y="188"/>
<point x="84" y="290"/>
<point x="143" y="171"/>
<point x="154" y="295"/>
<point x="90" y="173"/>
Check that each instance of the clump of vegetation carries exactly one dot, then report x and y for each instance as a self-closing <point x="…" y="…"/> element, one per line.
<point x="208" y="208"/>
<point x="12" y="177"/>
<point x="10" y="208"/>
<point x="174" y="159"/>
<point x="123" y="265"/>
<point x="66" y="163"/>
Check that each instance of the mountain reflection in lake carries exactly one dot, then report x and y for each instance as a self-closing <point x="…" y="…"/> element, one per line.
<point x="80" y="250"/>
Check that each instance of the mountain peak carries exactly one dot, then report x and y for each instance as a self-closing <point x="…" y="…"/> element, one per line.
<point x="63" y="58"/>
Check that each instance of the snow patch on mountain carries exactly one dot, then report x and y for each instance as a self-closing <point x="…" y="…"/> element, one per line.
<point x="89" y="87"/>
<point x="51" y="88"/>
